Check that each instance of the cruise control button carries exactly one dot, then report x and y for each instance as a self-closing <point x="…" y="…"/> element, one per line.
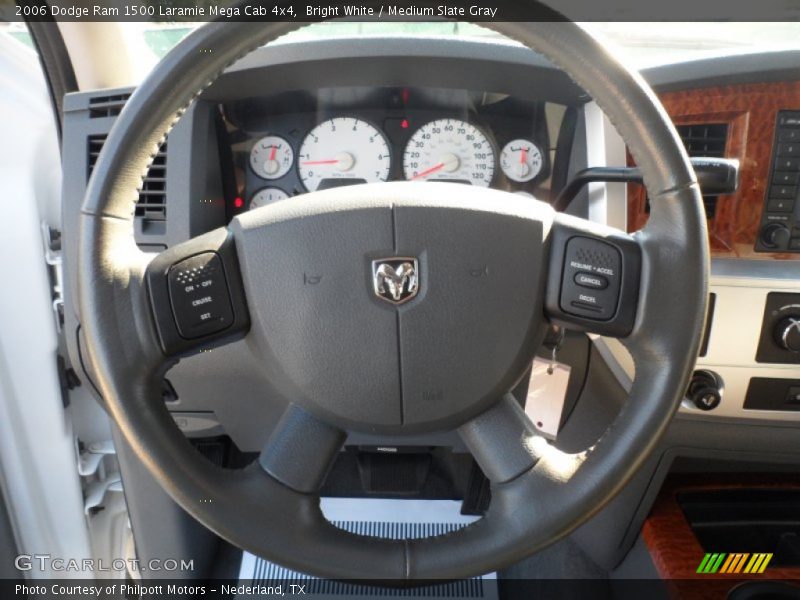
<point x="592" y="281"/>
<point x="587" y="306"/>
<point x="591" y="278"/>
<point x="198" y="290"/>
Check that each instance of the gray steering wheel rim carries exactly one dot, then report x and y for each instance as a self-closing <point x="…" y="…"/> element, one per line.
<point x="261" y="515"/>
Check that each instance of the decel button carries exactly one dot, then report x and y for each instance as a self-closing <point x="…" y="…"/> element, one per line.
<point x="591" y="281"/>
<point x="199" y="294"/>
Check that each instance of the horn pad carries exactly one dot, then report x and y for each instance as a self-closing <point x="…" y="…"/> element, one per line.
<point x="395" y="308"/>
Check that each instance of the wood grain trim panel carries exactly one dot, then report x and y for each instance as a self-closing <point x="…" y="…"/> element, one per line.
<point x="674" y="549"/>
<point x="750" y="110"/>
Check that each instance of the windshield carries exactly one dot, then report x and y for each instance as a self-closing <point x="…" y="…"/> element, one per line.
<point x="640" y="44"/>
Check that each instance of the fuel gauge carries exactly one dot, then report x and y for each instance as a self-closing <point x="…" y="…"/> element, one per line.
<point x="521" y="160"/>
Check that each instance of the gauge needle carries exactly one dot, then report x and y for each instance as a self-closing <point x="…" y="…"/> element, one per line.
<point x="523" y="157"/>
<point x="273" y="152"/>
<point x="344" y="160"/>
<point x="449" y="162"/>
<point x="427" y="172"/>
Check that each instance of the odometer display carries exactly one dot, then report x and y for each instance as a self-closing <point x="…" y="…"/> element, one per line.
<point x="451" y="150"/>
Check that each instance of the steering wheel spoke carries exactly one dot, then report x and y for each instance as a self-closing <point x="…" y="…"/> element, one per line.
<point x="503" y="441"/>
<point x="301" y="450"/>
<point x="594" y="275"/>
<point x="196" y="294"/>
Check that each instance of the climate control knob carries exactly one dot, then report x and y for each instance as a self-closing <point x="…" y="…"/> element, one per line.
<point x="775" y="235"/>
<point x="787" y="333"/>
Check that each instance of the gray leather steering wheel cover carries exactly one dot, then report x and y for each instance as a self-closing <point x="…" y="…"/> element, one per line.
<point x="256" y="512"/>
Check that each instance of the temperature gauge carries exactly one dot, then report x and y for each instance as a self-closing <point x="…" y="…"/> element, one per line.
<point x="271" y="157"/>
<point x="521" y="160"/>
<point x="267" y="195"/>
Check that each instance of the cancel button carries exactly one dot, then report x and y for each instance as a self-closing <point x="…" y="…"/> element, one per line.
<point x="591" y="280"/>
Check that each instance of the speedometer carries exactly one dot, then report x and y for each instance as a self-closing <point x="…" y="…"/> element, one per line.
<point x="452" y="150"/>
<point x="343" y="151"/>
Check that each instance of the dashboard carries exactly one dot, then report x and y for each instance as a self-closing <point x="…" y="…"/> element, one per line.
<point x="299" y="117"/>
<point x="302" y="141"/>
<point x="483" y="114"/>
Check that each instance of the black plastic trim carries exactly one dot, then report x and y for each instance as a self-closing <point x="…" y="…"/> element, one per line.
<point x="716" y="176"/>
<point x="778" y="306"/>
<point x="622" y="321"/>
<point x="712" y="301"/>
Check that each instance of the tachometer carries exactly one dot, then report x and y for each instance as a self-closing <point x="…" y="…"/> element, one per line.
<point x="449" y="149"/>
<point x="341" y="151"/>
<point x="271" y="157"/>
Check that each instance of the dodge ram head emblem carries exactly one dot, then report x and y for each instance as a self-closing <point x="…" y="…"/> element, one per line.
<point x="395" y="280"/>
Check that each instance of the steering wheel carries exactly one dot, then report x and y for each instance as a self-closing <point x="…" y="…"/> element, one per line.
<point x="393" y="308"/>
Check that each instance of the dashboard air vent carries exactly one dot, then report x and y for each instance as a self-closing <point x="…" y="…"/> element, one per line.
<point x="152" y="203"/>
<point x="95" y="145"/>
<point x="705" y="139"/>
<point x="107" y="106"/>
<point x="708" y="139"/>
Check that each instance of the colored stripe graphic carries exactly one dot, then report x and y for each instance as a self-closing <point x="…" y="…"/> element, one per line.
<point x="729" y="562"/>
<point x="711" y="562"/>
<point x="758" y="563"/>
<point x="736" y="562"/>
<point x="703" y="563"/>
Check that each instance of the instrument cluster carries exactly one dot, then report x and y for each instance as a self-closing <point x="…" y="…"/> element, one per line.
<point x="452" y="136"/>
